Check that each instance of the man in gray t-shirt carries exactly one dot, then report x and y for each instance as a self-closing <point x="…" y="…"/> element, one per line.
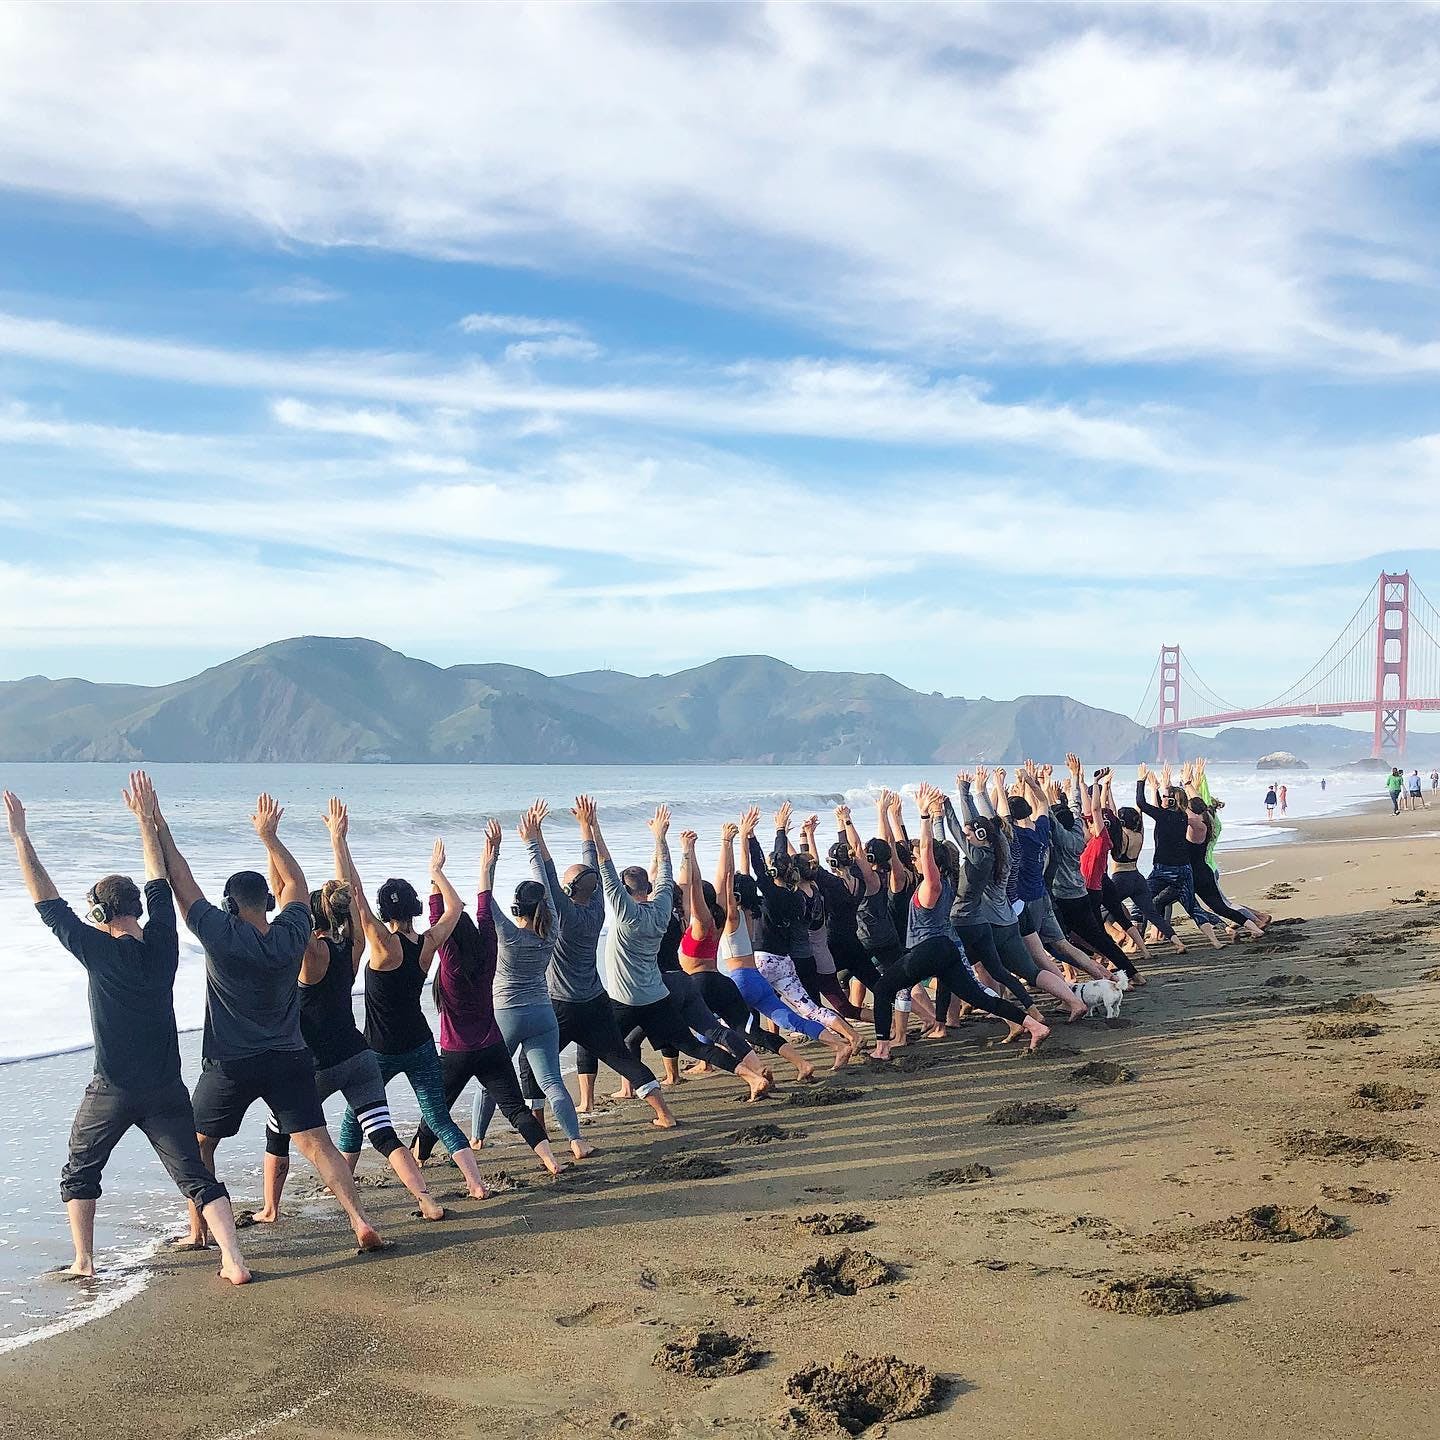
<point x="252" y="1049"/>
<point x="581" y="1005"/>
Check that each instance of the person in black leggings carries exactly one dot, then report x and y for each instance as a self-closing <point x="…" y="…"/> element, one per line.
<point x="583" y="1009"/>
<point x="1207" y="888"/>
<point x="471" y="1045"/>
<point x="932" y="952"/>
<point x="874" y="924"/>
<point x="842" y="887"/>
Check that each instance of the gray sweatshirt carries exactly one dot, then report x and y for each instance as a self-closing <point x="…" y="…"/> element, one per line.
<point x="1066" y="882"/>
<point x="521" y="956"/>
<point x="574" y="969"/>
<point x="636" y="930"/>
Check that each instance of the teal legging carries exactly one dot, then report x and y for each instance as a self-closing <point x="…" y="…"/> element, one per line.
<point x="535" y="1030"/>
<point x="421" y="1067"/>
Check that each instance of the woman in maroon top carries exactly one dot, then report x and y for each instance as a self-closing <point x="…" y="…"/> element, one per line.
<point x="471" y="1046"/>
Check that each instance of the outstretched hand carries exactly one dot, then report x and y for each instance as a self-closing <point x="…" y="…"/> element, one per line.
<point x="541" y="811"/>
<point x="493" y="836"/>
<point x="437" y="858"/>
<point x="140" y="797"/>
<point x="688" y="839"/>
<point x="728" y="831"/>
<point x="14" y="815"/>
<point x="527" y="828"/>
<point x="584" y="810"/>
<point x="266" y="818"/>
<point x="782" y="817"/>
<point x="337" y="818"/>
<point x="748" y="821"/>
<point x="659" y="822"/>
<point x="842" y="815"/>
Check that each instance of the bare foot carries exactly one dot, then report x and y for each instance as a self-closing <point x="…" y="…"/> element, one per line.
<point x="263" y="1216"/>
<point x="479" y="1191"/>
<point x="190" y="1243"/>
<point x="235" y="1274"/>
<point x="429" y="1207"/>
<point x="804" y="1071"/>
<point x="581" y="1148"/>
<point x="1075" y="1012"/>
<point x="1177" y="945"/>
<point x="1037" y="1032"/>
<point x="626" y="1092"/>
<point x="368" y="1240"/>
<point x="935" y="1032"/>
<point x="700" y="1067"/>
<point x="477" y="1143"/>
<point x="665" y="1122"/>
<point x="1012" y="1032"/>
<point x="758" y="1084"/>
<point x="78" y="1270"/>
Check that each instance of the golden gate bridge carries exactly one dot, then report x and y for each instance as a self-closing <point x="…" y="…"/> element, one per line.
<point x="1386" y="660"/>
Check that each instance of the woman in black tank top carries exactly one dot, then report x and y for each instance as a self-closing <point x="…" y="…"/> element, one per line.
<point x="343" y="1061"/>
<point x="395" y="1025"/>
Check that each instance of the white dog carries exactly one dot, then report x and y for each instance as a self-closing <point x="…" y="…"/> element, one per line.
<point x="1108" y="993"/>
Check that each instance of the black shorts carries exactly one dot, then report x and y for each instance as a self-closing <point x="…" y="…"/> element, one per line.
<point x="283" y="1079"/>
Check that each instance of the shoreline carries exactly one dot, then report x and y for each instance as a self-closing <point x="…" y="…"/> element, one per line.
<point x="550" y="1282"/>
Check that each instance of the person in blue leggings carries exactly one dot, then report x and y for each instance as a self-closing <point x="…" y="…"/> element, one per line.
<point x="395" y="1026"/>
<point x="524" y="943"/>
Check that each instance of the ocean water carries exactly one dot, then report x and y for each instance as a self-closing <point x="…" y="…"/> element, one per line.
<point x="81" y="830"/>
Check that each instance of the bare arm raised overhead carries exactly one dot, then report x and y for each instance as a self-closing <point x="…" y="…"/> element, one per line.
<point x="37" y="881"/>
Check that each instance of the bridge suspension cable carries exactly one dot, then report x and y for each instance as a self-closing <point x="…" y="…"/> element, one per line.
<point x="1346" y="670"/>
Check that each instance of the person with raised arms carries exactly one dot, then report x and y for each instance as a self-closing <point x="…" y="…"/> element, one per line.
<point x="344" y="1063"/>
<point x="640" y="911"/>
<point x="582" y="1007"/>
<point x="252" y="1048"/>
<point x="396" y="1029"/>
<point x="525" y="942"/>
<point x="130" y="975"/>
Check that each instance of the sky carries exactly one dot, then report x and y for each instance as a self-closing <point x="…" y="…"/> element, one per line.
<point x="987" y="347"/>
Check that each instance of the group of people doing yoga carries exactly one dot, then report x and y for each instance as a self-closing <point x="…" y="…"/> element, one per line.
<point x="1003" y="888"/>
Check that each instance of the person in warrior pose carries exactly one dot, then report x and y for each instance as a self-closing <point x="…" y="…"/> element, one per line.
<point x="344" y="1063"/>
<point x="252" y="1047"/>
<point x="130" y="974"/>
<point x="395" y="1025"/>
<point x="582" y="1008"/>
<point x="471" y="1045"/>
<point x="933" y="952"/>
<point x="640" y="911"/>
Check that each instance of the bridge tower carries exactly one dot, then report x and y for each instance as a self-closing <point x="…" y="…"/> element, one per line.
<point x="1167" y="731"/>
<point x="1392" y="665"/>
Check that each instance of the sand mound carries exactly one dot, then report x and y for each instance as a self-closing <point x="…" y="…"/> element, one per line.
<point x="1377" y="1095"/>
<point x="906" y="1060"/>
<point x="1342" y="1030"/>
<point x="1103" y="1072"/>
<point x="1029" y="1112"/>
<point x="1355" y="1194"/>
<point x="684" y="1167"/>
<point x="1274" y="1224"/>
<point x="708" y="1354"/>
<point x="1154" y="1295"/>
<point x="842" y="1273"/>
<point x="964" y="1175"/>
<point x="1354" y="1005"/>
<point x="858" y="1391"/>
<point x="1278" y="980"/>
<point x="1431" y="974"/>
<point x="763" y="1134"/>
<point x="1425" y="1060"/>
<point x="1335" y="1145"/>
<point x="823" y="1095"/>
<point x="842" y="1222"/>
<point x="1420" y="897"/>
<point x="1289" y="920"/>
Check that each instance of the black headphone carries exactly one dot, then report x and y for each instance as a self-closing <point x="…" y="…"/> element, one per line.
<point x="99" y="912"/>
<point x="234" y="909"/>
<point x="587" y="870"/>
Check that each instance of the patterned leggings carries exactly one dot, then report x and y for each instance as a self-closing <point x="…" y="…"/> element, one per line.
<point x="779" y="970"/>
<point x="421" y="1067"/>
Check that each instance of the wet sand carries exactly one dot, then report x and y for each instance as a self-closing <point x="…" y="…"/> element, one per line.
<point x="540" y="1312"/>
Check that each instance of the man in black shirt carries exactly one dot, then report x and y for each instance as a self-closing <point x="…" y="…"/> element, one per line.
<point x="131" y="973"/>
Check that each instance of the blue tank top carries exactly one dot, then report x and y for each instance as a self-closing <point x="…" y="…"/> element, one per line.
<point x="924" y="923"/>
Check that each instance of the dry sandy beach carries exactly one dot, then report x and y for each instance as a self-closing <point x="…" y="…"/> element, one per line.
<point x="540" y="1312"/>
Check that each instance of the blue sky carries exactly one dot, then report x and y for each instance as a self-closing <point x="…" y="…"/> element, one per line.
<point x="988" y="347"/>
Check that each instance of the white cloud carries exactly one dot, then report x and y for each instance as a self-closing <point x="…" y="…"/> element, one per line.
<point x="1110" y="183"/>
<point x="489" y="323"/>
<point x="300" y="291"/>
<point x="805" y="397"/>
<point x="562" y="347"/>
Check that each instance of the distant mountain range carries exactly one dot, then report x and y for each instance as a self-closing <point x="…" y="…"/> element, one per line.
<point x="336" y="700"/>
